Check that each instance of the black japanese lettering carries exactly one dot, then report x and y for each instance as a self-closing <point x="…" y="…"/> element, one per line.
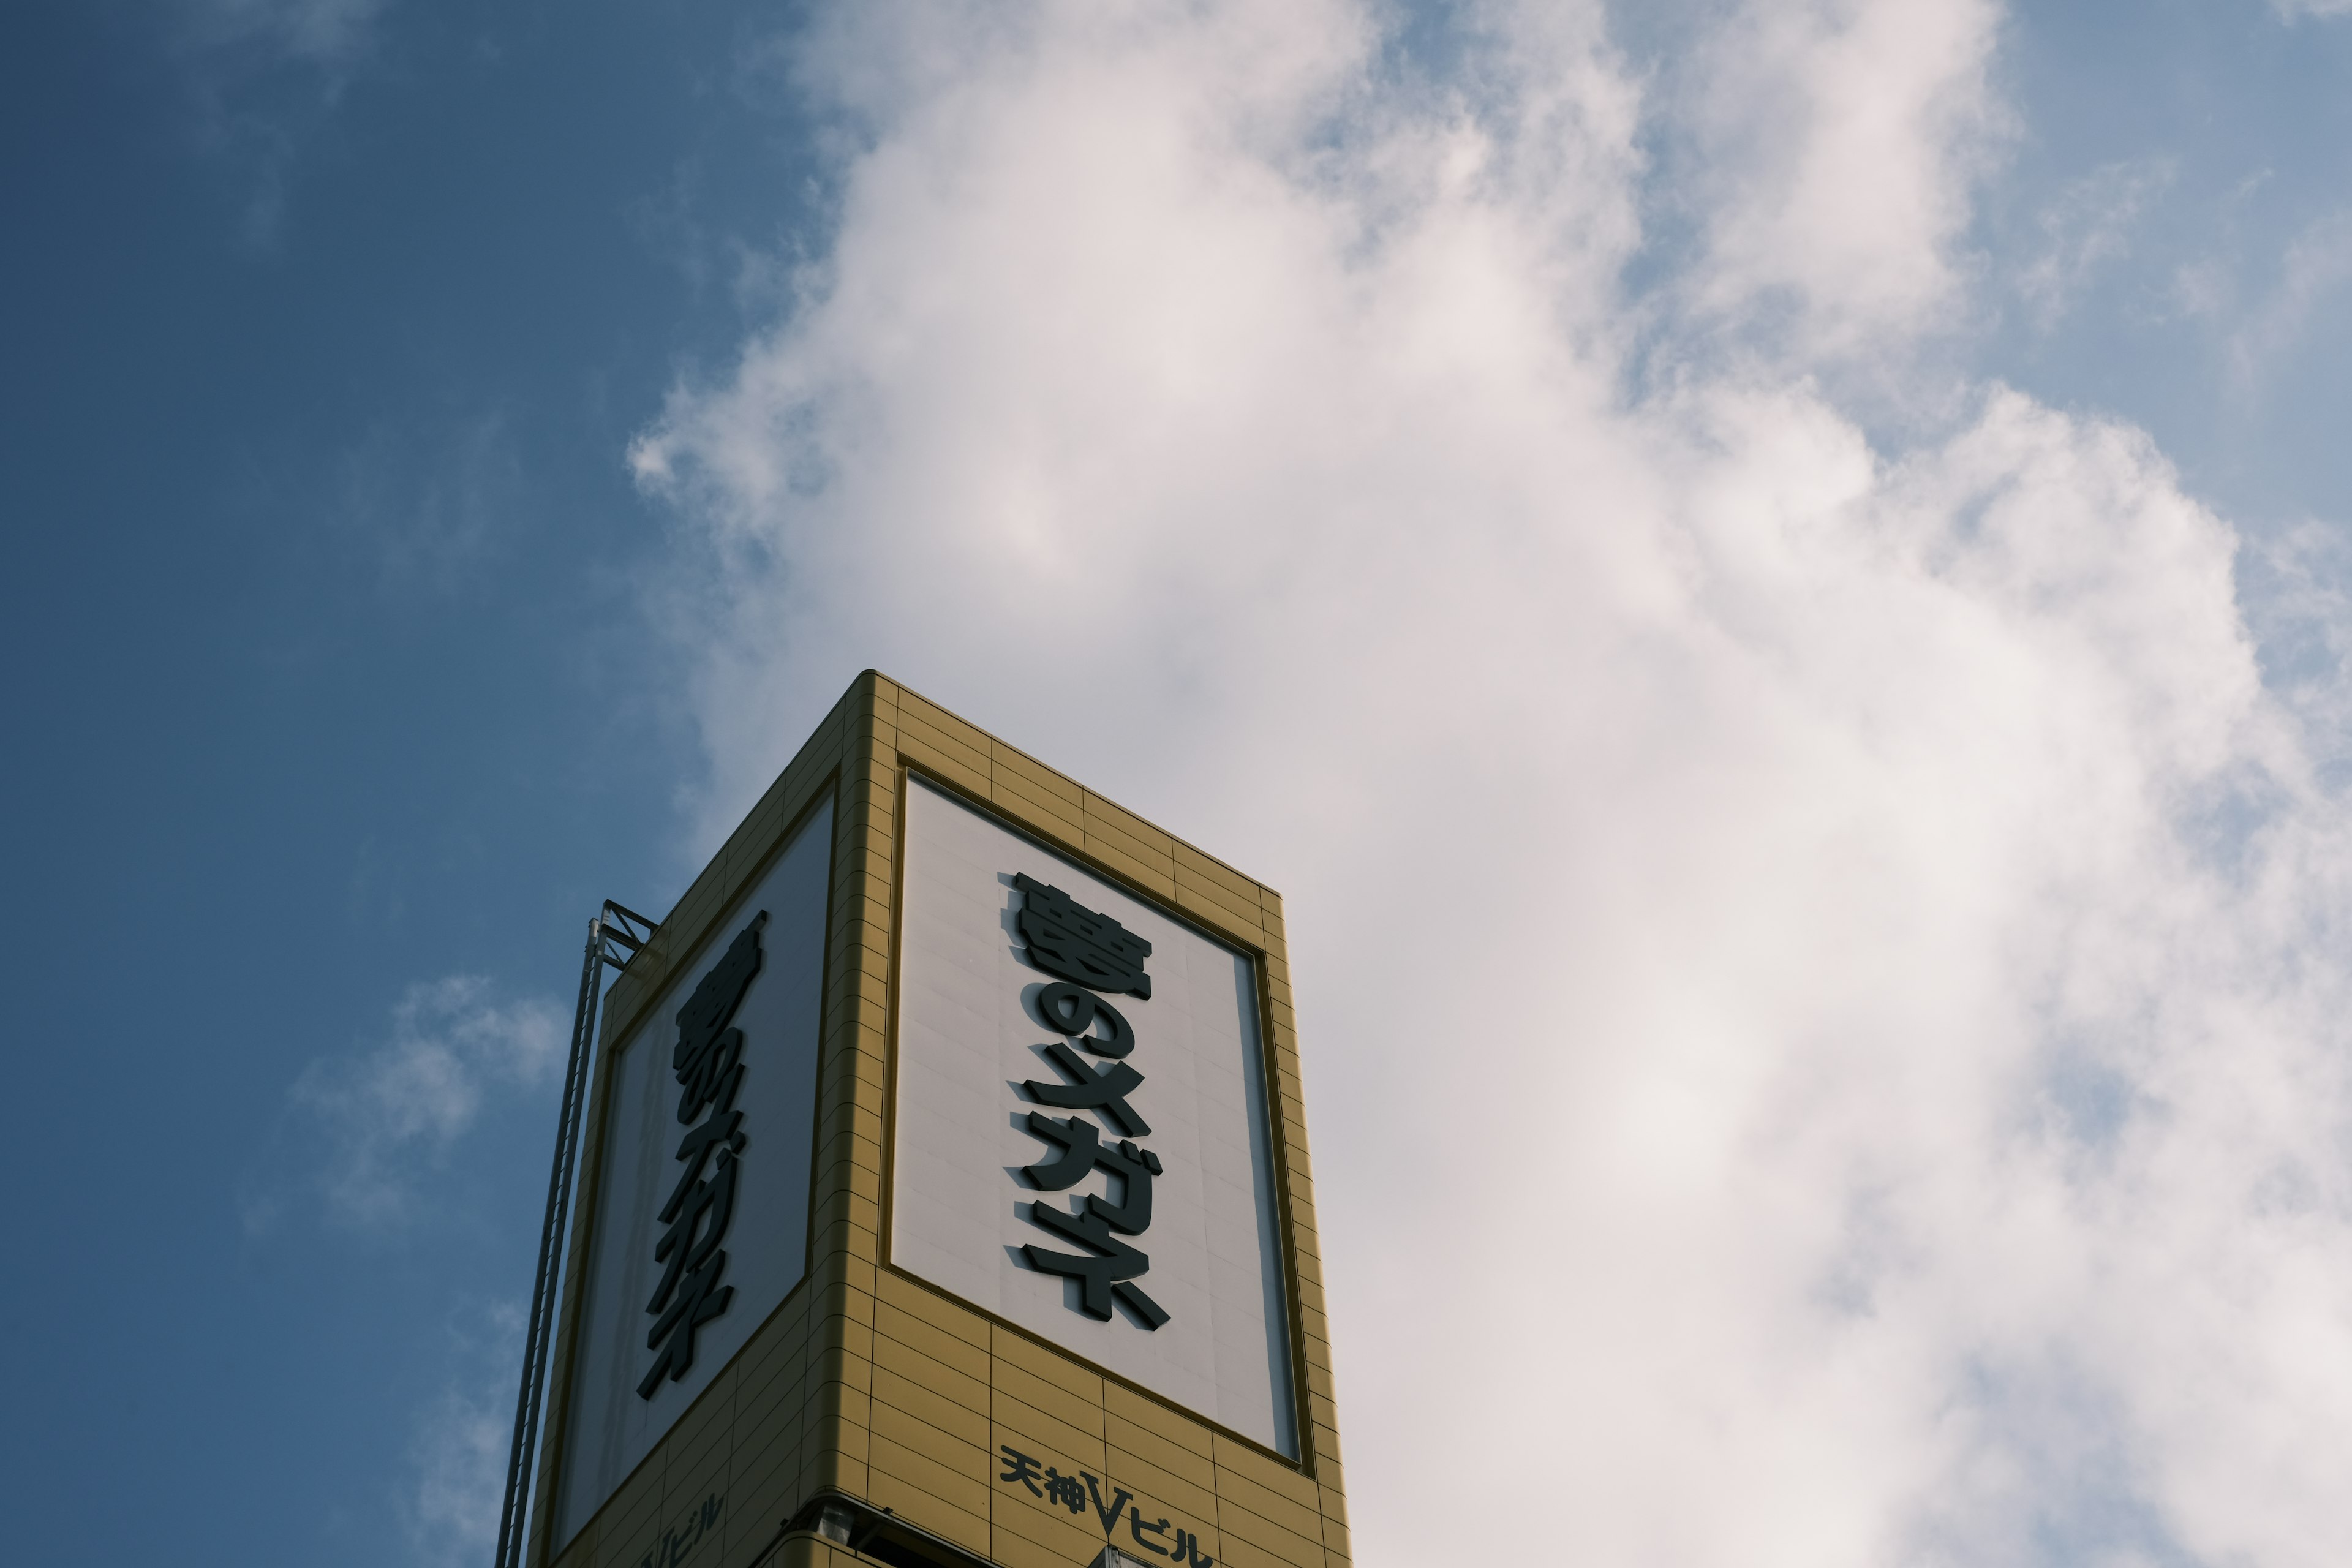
<point x="1064" y="1490"/>
<point x="1090" y="1090"/>
<point x="1081" y="1489"/>
<point x="699" y="1299"/>
<point x="723" y="1130"/>
<point x="1136" y="1527"/>
<point x="1109" y="1516"/>
<point x="711" y="1077"/>
<point x="713" y="1199"/>
<point x="1020" y="1467"/>
<point x="708" y="1062"/>
<point x="1079" y="1139"/>
<point x="1092" y="953"/>
<point x="706" y="1014"/>
<point x="1083" y="1150"/>
<point x="1073" y="1010"/>
<point x="675" y="1545"/>
<point x="1067" y="938"/>
<point x="1099" y="1279"/>
<point x="1135" y="1168"/>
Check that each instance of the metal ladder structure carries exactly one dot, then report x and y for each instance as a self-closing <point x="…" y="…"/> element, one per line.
<point x="615" y="936"/>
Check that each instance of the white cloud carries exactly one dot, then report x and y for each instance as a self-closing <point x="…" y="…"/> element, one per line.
<point x="1839" y="142"/>
<point x="385" y="1117"/>
<point x="1814" y="961"/>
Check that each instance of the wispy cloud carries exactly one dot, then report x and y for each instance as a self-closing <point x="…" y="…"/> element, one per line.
<point x="2294" y="10"/>
<point x="2085" y="228"/>
<point x="2315" y="269"/>
<point x="434" y="507"/>
<point x="376" y="1122"/>
<point x="458" y="1457"/>
<point x="320" y="31"/>
<point x="261" y="77"/>
<point x="2298" y="591"/>
<point x="1853" y="919"/>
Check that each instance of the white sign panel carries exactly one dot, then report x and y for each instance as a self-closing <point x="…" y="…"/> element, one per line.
<point x="1158" y="1099"/>
<point x="740" y="1187"/>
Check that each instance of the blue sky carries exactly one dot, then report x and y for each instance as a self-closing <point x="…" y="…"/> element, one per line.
<point x="1855" y="494"/>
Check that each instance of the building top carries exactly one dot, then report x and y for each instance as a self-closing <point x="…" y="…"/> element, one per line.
<point x="945" y="1192"/>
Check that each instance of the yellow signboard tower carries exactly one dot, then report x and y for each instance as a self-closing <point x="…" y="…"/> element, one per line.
<point x="944" y="1194"/>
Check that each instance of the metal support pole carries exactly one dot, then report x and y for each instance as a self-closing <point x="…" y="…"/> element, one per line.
<point x="612" y="927"/>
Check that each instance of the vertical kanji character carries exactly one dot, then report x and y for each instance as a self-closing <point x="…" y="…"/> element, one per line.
<point x="716" y="996"/>
<point x="1064" y="1490"/>
<point x="1020" y="1467"/>
<point x="1067" y="938"/>
<point x="712" y="1074"/>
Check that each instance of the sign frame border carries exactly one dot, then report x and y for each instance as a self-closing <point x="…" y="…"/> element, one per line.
<point x="909" y="769"/>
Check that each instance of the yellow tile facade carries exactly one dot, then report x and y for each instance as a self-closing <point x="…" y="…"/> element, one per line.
<point x="868" y="1384"/>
